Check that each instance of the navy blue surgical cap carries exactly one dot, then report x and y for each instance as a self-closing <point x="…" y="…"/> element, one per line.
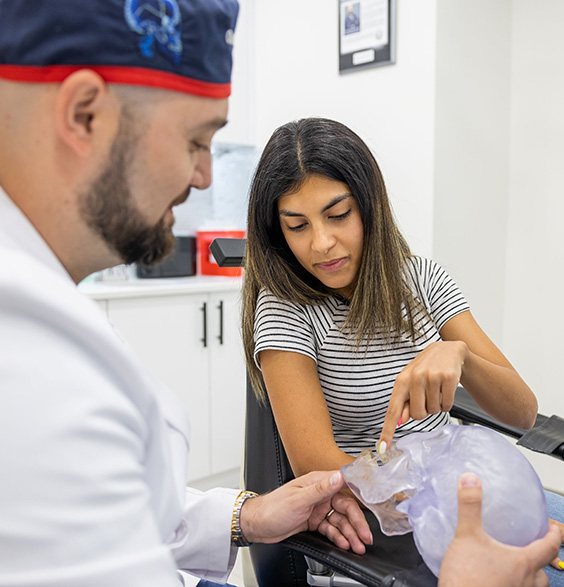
<point x="180" y="45"/>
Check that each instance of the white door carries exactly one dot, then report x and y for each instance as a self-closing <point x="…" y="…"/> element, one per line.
<point x="167" y="333"/>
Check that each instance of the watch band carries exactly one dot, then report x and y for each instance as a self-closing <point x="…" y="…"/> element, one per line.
<point x="237" y="536"/>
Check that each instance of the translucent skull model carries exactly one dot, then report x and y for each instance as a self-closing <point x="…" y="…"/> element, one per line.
<point x="414" y="487"/>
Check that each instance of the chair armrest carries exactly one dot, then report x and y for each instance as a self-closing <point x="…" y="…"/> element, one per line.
<point x="546" y="436"/>
<point x="391" y="560"/>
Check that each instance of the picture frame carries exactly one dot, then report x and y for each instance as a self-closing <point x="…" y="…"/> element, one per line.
<point x="367" y="34"/>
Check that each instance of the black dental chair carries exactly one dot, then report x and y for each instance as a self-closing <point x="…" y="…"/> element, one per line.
<point x="309" y="558"/>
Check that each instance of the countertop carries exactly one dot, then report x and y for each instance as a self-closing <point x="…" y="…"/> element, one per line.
<point x="132" y="288"/>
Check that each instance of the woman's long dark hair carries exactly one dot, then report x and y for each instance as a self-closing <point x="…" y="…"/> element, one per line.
<point x="318" y="146"/>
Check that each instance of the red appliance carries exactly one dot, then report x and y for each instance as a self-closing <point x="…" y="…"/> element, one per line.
<point x="206" y="262"/>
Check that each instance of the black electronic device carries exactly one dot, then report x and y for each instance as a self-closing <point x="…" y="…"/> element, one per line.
<point x="228" y="252"/>
<point x="181" y="263"/>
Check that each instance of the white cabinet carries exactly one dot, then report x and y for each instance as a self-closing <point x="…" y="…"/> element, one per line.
<point x="103" y="304"/>
<point x="227" y="381"/>
<point x="191" y="341"/>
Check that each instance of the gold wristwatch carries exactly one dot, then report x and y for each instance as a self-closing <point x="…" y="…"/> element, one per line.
<point x="237" y="536"/>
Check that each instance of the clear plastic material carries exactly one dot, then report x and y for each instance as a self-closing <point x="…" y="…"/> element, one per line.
<point x="413" y="486"/>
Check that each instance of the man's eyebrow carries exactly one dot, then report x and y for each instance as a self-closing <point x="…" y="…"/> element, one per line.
<point x="333" y="202"/>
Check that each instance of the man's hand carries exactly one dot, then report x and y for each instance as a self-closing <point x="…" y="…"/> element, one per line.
<point x="303" y="504"/>
<point x="474" y="558"/>
<point x="557" y="563"/>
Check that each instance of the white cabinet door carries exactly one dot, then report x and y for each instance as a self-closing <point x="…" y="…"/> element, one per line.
<point x="227" y="381"/>
<point x="167" y="333"/>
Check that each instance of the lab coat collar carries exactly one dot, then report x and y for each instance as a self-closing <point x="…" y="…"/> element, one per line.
<point x="17" y="232"/>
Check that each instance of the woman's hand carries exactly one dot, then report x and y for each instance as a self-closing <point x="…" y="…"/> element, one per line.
<point x="425" y="386"/>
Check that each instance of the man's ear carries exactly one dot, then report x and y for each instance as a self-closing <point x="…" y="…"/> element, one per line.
<point x="84" y="111"/>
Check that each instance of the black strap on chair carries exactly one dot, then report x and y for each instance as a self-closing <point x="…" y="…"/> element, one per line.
<point x="546" y="436"/>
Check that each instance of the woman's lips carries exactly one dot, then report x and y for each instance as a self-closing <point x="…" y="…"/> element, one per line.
<point x="331" y="266"/>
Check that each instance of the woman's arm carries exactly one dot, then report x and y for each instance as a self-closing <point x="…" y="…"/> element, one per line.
<point x="428" y="383"/>
<point x="489" y="377"/>
<point x="300" y="412"/>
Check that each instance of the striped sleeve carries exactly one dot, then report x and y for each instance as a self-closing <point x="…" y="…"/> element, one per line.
<point x="443" y="295"/>
<point x="282" y="325"/>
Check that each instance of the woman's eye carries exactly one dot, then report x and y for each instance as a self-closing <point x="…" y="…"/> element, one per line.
<point x="341" y="216"/>
<point x="296" y="228"/>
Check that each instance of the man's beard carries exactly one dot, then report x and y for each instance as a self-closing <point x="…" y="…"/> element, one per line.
<point x="108" y="208"/>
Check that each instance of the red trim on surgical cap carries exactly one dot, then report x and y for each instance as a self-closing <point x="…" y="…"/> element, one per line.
<point x="136" y="76"/>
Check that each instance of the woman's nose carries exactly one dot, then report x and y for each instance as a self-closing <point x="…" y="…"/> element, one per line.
<point x="322" y="241"/>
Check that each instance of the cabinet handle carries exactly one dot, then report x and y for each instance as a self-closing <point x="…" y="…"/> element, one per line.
<point x="220" y="308"/>
<point x="204" y="310"/>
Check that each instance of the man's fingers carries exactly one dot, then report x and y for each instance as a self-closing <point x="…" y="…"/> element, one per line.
<point x="545" y="550"/>
<point x="321" y="485"/>
<point x="346" y="517"/>
<point x="560" y="527"/>
<point x="349" y="507"/>
<point x="541" y="580"/>
<point x="334" y="534"/>
<point x="342" y="523"/>
<point x="315" y="492"/>
<point x="469" y="505"/>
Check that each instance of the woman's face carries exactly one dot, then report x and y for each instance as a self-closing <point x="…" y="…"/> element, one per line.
<point x="322" y="225"/>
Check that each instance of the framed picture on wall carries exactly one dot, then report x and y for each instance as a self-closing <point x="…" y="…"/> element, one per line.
<point x="367" y="33"/>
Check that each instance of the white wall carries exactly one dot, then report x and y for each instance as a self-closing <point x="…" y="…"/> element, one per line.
<point x="242" y="126"/>
<point x="533" y="323"/>
<point x="295" y="74"/>
<point x="472" y="151"/>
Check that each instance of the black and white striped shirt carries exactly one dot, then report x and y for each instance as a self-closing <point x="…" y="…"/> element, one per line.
<point x="357" y="381"/>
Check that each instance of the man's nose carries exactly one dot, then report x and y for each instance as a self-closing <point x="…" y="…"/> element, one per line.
<point x="203" y="173"/>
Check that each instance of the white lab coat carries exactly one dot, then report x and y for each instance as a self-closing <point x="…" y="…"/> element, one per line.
<point x="92" y="451"/>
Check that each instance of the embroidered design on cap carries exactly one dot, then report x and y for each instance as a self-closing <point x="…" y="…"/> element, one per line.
<point x="157" y="22"/>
